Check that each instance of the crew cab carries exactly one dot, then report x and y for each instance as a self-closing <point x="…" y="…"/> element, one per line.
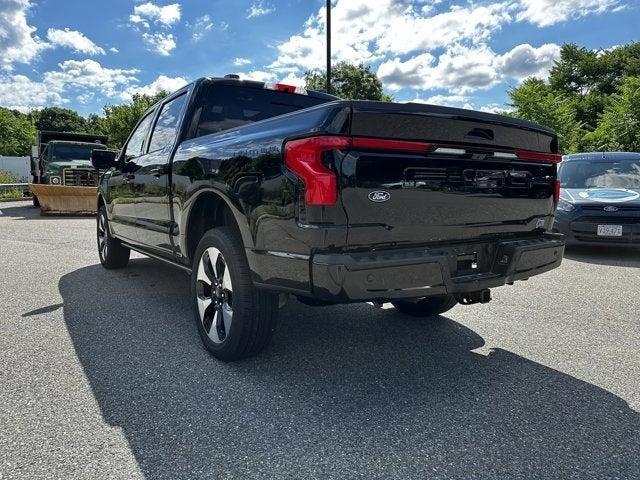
<point x="264" y="191"/>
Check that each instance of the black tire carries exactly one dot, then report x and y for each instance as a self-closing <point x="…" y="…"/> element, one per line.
<point x="427" y="307"/>
<point x="234" y="303"/>
<point x="111" y="252"/>
<point x="36" y="202"/>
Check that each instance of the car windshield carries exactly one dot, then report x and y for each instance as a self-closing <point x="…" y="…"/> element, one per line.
<point x="600" y="174"/>
<point x="73" y="152"/>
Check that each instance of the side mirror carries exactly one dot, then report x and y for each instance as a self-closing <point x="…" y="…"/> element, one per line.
<point x="103" y="159"/>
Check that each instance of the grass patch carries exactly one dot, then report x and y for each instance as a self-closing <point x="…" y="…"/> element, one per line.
<point x="11" y="194"/>
<point x="8" y="177"/>
<point x="14" y="194"/>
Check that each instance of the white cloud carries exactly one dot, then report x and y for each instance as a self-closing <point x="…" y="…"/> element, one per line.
<point x="259" y="8"/>
<point x="201" y="27"/>
<point x="18" y="42"/>
<point x="496" y="108"/>
<point x="147" y="13"/>
<point x="462" y="69"/>
<point x="259" y="76"/>
<point x="162" y="83"/>
<point x="154" y="21"/>
<point x="241" y="62"/>
<point x="365" y="31"/>
<point x="114" y="50"/>
<point x="526" y="61"/>
<point x="20" y="93"/>
<point x="74" y="40"/>
<point x="89" y="75"/>
<point x="273" y="77"/>
<point x="445" y="100"/>
<point x="161" y="43"/>
<point x="85" y="98"/>
<point x="81" y="80"/>
<point x="549" y="12"/>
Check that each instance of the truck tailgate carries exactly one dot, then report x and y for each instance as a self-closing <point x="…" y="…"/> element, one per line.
<point x="444" y="175"/>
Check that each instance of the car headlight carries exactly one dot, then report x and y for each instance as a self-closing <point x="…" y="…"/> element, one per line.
<point x="55" y="180"/>
<point x="565" y="206"/>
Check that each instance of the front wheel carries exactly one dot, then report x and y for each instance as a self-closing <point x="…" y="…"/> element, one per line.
<point x="234" y="319"/>
<point x="111" y="252"/>
<point x="427" y="307"/>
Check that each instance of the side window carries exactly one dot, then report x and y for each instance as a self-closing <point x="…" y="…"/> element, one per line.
<point x="136" y="142"/>
<point x="166" y="128"/>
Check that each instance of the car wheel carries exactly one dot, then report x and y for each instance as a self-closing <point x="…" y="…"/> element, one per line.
<point x="111" y="252"/>
<point x="36" y="202"/>
<point x="426" y="307"/>
<point x="235" y="320"/>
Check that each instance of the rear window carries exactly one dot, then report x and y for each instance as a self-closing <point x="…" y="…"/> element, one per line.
<point x="221" y="107"/>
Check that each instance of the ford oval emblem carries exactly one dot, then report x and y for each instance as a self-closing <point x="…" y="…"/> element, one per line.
<point x="610" y="208"/>
<point x="379" y="196"/>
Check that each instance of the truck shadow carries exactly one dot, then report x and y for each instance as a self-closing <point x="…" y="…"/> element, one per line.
<point x="612" y="256"/>
<point x="26" y="211"/>
<point x="349" y="391"/>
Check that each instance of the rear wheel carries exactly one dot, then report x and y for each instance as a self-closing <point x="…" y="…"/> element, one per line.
<point x="234" y="319"/>
<point x="427" y="307"/>
<point x="112" y="253"/>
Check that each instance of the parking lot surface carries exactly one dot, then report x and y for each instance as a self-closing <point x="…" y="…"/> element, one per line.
<point x="103" y="375"/>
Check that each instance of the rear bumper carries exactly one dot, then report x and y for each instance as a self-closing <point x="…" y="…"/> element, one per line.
<point x="408" y="273"/>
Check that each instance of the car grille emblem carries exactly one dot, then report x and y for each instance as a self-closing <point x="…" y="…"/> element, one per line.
<point x="610" y="208"/>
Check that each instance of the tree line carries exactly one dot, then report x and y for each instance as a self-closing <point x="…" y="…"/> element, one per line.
<point x="591" y="98"/>
<point x="18" y="130"/>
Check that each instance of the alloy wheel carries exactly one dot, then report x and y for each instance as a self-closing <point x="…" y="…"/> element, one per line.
<point x="214" y="291"/>
<point x="102" y="237"/>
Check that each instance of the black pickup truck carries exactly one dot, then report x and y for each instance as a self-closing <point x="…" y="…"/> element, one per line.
<point x="259" y="191"/>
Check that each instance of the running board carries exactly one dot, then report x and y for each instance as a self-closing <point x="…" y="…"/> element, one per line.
<point x="156" y="257"/>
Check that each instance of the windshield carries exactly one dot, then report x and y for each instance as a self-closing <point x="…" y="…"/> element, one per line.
<point x="600" y="174"/>
<point x="63" y="151"/>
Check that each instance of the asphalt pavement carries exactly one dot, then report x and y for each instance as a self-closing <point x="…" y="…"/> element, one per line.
<point x="102" y="375"/>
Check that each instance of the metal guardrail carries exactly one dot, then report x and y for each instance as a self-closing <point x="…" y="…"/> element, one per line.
<point x="24" y="187"/>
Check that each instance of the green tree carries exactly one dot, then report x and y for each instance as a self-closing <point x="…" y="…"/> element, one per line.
<point x="17" y="133"/>
<point x="536" y="101"/>
<point x="351" y="82"/>
<point x="95" y="124"/>
<point x="585" y="90"/>
<point x="619" y="126"/>
<point x="59" y="120"/>
<point x="119" y="120"/>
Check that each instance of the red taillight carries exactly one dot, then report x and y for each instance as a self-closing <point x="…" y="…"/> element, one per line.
<point x="539" y="157"/>
<point x="304" y="158"/>
<point x="383" y="144"/>
<point x="283" y="87"/>
<point x="556" y="191"/>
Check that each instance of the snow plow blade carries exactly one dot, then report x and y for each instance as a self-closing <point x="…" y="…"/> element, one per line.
<point x="62" y="200"/>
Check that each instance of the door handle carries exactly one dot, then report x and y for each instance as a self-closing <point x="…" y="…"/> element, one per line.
<point x="157" y="172"/>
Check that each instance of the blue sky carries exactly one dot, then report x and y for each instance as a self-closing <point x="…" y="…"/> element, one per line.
<point x="84" y="54"/>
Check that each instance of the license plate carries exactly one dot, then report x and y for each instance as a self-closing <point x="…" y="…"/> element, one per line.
<point x="610" y="230"/>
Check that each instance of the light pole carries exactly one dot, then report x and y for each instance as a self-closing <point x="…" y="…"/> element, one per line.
<point x="328" y="81"/>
